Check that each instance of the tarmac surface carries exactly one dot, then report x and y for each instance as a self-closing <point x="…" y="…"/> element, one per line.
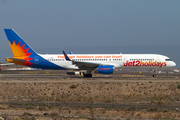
<point x="51" y="78"/>
<point x="75" y="76"/>
<point x="61" y="76"/>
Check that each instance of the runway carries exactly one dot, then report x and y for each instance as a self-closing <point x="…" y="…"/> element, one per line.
<point x="77" y="76"/>
<point x="63" y="78"/>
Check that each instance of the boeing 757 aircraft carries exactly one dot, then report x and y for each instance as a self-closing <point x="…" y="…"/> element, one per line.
<point x="102" y="63"/>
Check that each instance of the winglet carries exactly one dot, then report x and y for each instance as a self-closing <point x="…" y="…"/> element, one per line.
<point x="70" y="52"/>
<point x="66" y="57"/>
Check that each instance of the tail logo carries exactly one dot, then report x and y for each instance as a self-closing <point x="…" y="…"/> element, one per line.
<point x="21" y="52"/>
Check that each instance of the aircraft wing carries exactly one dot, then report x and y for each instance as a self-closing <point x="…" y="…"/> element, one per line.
<point x="82" y="64"/>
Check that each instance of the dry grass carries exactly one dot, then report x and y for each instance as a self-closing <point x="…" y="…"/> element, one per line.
<point x="140" y="93"/>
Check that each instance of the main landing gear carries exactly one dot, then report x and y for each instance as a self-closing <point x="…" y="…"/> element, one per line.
<point x="89" y="70"/>
<point x="87" y="75"/>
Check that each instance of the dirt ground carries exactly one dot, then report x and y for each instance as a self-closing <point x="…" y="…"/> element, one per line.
<point x="85" y="113"/>
<point x="114" y="91"/>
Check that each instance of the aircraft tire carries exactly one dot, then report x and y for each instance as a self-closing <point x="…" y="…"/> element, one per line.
<point x="87" y="75"/>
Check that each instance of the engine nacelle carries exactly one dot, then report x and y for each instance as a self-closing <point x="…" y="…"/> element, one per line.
<point x="105" y="69"/>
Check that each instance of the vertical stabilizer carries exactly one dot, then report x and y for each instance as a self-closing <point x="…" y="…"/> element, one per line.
<point x="18" y="45"/>
<point x="20" y="48"/>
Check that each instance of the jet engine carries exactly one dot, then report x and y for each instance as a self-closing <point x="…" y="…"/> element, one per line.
<point x="105" y="69"/>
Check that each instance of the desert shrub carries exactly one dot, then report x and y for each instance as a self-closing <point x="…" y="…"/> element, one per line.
<point x="108" y="101"/>
<point x="27" y="114"/>
<point x="49" y="107"/>
<point x="150" y="81"/>
<point x="53" y="93"/>
<point x="73" y="86"/>
<point x="54" y="114"/>
<point x="42" y="108"/>
<point x="165" y="110"/>
<point x="130" y="108"/>
<point x="32" y="118"/>
<point x="152" y="109"/>
<point x="178" y="86"/>
<point x="29" y="107"/>
<point x="106" y="82"/>
<point x="118" y="119"/>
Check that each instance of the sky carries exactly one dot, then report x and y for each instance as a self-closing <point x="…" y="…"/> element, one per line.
<point x="93" y="26"/>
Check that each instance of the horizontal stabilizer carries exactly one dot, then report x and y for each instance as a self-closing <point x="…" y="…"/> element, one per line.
<point x="16" y="59"/>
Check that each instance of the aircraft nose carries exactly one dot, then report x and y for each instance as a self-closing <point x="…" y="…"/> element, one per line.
<point x="173" y="64"/>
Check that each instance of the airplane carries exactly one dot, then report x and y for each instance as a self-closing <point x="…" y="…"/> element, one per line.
<point x="5" y="64"/>
<point x="100" y="63"/>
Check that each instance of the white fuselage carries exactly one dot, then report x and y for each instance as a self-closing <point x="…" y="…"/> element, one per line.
<point x="148" y="61"/>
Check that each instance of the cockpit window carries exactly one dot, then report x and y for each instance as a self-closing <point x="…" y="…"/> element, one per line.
<point x="168" y="59"/>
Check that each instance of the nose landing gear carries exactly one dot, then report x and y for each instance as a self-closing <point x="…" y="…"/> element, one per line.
<point x="154" y="73"/>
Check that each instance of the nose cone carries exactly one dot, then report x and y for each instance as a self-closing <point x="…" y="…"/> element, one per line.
<point x="173" y="64"/>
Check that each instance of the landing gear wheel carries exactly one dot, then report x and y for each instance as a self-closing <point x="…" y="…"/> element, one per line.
<point x="154" y="75"/>
<point x="87" y="75"/>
